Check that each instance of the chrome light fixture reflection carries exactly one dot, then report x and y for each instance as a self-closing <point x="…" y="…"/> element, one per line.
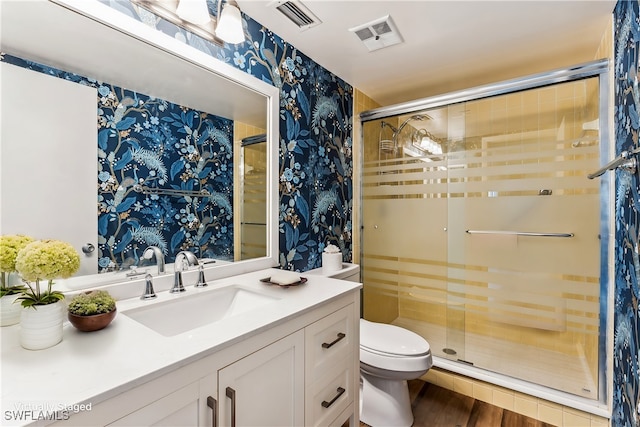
<point x="193" y="16"/>
<point x="430" y="145"/>
<point x="194" y="11"/>
<point x="229" y="25"/>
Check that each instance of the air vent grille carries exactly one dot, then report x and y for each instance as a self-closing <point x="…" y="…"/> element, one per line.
<point x="382" y="28"/>
<point x="297" y="13"/>
<point x="365" y="33"/>
<point x="378" y="34"/>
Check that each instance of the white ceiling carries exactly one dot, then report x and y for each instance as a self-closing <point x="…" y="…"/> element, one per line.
<point x="448" y="45"/>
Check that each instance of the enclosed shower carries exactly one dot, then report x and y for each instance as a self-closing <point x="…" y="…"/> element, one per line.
<point x="482" y="231"/>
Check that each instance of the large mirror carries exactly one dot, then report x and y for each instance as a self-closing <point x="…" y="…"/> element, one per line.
<point x="116" y="137"/>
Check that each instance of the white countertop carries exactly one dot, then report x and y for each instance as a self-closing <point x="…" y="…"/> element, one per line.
<point x="92" y="367"/>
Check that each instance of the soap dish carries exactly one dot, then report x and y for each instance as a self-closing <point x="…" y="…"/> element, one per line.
<point x="268" y="281"/>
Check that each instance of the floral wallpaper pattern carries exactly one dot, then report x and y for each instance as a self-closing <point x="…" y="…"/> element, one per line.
<point x="626" y="357"/>
<point x="316" y="166"/>
<point x="156" y="144"/>
<point x="148" y="141"/>
<point x="315" y="136"/>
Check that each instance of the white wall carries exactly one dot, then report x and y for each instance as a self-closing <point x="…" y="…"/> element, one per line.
<point x="48" y="159"/>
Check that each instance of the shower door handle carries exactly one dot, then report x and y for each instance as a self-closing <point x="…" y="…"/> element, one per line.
<point x="520" y="233"/>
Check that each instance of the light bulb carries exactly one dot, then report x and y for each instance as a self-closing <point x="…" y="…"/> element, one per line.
<point x="194" y="11"/>
<point x="229" y="26"/>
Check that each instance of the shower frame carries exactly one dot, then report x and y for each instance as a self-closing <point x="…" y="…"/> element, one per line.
<point x="599" y="69"/>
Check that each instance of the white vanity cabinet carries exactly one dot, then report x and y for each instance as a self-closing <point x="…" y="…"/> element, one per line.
<point x="177" y="399"/>
<point x="331" y="348"/>
<point x="300" y="372"/>
<point x="265" y="388"/>
<point x="179" y="409"/>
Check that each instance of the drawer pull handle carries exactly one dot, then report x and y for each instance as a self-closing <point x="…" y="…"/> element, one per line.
<point x="213" y="404"/>
<point x="329" y="345"/>
<point x="231" y="394"/>
<point x="340" y="391"/>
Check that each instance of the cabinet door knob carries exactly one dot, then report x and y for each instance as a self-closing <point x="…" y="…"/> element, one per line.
<point x="330" y="344"/>
<point x="340" y="391"/>
<point x="213" y="404"/>
<point x="231" y="394"/>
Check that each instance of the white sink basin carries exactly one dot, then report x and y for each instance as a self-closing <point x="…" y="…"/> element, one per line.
<point x="188" y="312"/>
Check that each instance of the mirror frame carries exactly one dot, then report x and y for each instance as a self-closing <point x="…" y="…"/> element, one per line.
<point x="118" y="21"/>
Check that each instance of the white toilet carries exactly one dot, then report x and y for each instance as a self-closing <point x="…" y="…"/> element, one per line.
<point x="389" y="356"/>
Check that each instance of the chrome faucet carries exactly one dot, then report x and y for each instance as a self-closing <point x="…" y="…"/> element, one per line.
<point x="182" y="258"/>
<point x="152" y="251"/>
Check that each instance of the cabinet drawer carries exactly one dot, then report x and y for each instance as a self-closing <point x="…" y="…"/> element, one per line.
<point x="328" y="341"/>
<point x="329" y="397"/>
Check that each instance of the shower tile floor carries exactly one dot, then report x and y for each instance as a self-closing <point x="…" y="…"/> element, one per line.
<point x="435" y="406"/>
<point x="568" y="373"/>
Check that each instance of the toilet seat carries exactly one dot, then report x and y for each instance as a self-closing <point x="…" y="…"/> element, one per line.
<point x="392" y="341"/>
<point x="393" y="348"/>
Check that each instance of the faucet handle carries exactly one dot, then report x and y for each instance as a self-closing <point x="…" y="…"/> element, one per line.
<point x="201" y="280"/>
<point x="149" y="293"/>
<point x="177" y="283"/>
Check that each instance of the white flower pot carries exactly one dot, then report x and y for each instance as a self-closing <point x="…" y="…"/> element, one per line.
<point x="41" y="326"/>
<point x="9" y="310"/>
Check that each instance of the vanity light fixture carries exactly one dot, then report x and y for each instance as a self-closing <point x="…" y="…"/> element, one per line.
<point x="193" y="16"/>
<point x="194" y="11"/>
<point x="229" y="25"/>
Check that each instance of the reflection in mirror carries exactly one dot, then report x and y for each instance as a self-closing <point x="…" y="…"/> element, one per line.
<point x="253" y="181"/>
<point x="163" y="149"/>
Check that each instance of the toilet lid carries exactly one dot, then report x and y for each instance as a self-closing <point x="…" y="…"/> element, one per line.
<point x="390" y="339"/>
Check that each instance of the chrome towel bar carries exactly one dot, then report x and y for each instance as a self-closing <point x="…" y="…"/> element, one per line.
<point x="520" y="233"/>
<point x="622" y="161"/>
<point x="169" y="191"/>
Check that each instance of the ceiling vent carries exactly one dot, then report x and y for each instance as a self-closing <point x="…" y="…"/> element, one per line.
<point x="378" y="34"/>
<point x="297" y="13"/>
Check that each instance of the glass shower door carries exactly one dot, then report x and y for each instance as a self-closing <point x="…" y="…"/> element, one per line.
<point x="529" y="235"/>
<point x="481" y="232"/>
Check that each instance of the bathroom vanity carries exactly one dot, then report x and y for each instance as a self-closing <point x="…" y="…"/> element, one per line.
<point x="238" y="352"/>
<point x="276" y="356"/>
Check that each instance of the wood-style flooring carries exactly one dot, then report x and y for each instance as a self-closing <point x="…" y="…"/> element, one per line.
<point x="435" y="406"/>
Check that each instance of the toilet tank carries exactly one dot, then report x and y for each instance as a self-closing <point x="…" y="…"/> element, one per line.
<point x="350" y="272"/>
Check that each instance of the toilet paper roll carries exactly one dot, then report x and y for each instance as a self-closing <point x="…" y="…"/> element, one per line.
<point x="331" y="262"/>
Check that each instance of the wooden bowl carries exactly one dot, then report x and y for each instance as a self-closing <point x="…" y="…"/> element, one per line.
<point x="92" y="323"/>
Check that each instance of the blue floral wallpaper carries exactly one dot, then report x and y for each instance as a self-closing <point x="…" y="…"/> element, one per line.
<point x="150" y="142"/>
<point x="626" y="362"/>
<point x="316" y="125"/>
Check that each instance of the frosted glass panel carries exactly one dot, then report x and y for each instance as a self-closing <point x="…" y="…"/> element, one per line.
<point x="481" y="232"/>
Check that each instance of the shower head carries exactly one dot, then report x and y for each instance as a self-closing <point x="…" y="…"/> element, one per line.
<point x="419" y="117"/>
<point x="383" y="124"/>
<point x="391" y="145"/>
